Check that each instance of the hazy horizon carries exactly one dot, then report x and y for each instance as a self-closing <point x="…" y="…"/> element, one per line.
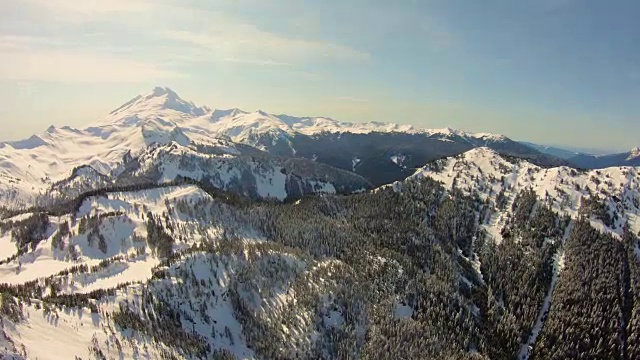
<point x="560" y="73"/>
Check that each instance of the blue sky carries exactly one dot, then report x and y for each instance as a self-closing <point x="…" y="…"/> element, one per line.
<point x="561" y="72"/>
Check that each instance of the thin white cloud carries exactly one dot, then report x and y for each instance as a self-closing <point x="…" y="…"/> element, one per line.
<point x="87" y="7"/>
<point x="22" y="61"/>
<point x="226" y="38"/>
<point x="234" y="40"/>
<point x="188" y="35"/>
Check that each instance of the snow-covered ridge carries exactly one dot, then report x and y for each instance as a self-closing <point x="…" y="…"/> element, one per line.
<point x="31" y="167"/>
<point x="228" y="171"/>
<point x="488" y="136"/>
<point x="485" y="171"/>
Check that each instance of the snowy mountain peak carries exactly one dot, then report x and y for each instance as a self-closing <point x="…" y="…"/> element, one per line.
<point x="170" y="100"/>
<point x="482" y="152"/>
<point x="444" y="132"/>
<point x="634" y="153"/>
<point x="161" y="91"/>
<point x="159" y="101"/>
<point x="489" y="136"/>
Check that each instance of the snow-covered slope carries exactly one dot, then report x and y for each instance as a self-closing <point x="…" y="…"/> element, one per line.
<point x="122" y="223"/>
<point x="27" y="171"/>
<point x="106" y="248"/>
<point x="194" y="298"/>
<point x="253" y="175"/>
<point x="492" y="175"/>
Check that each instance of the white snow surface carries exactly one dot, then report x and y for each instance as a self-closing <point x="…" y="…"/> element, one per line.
<point x="63" y="335"/>
<point x="7" y="246"/>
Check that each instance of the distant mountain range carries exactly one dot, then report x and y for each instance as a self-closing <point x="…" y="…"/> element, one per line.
<point x="161" y="137"/>
<point x="380" y="152"/>
<point x="590" y="161"/>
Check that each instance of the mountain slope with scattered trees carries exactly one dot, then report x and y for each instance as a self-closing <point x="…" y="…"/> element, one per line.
<point x="475" y="266"/>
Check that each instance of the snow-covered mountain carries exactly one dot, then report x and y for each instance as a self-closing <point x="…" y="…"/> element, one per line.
<point x="565" y="189"/>
<point x="156" y="133"/>
<point x="250" y="127"/>
<point x="32" y="167"/>
<point x="172" y="270"/>
<point x="147" y="240"/>
<point x="247" y="127"/>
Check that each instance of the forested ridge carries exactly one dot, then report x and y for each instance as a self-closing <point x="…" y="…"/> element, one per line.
<point x="397" y="273"/>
